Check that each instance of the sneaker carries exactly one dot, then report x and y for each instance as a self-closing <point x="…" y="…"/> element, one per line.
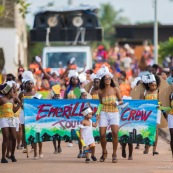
<point x="94" y="158"/>
<point x="41" y="155"/>
<point x="80" y="155"/>
<point x="19" y="148"/>
<point x="83" y="155"/>
<point x="4" y="161"/>
<point x="87" y="160"/>
<point x="35" y="158"/>
<point x="70" y="145"/>
<point x="13" y="159"/>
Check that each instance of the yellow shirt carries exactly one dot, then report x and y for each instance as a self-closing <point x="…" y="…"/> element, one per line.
<point x="151" y="96"/>
<point x="108" y="103"/>
<point x="95" y="96"/>
<point x="71" y="95"/>
<point x="6" y="110"/>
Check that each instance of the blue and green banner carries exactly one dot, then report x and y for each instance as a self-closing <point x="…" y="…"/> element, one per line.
<point x="46" y="120"/>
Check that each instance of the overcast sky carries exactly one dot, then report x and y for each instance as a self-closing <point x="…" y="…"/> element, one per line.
<point x="135" y="10"/>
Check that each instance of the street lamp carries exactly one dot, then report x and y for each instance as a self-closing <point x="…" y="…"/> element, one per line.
<point x="155" y="33"/>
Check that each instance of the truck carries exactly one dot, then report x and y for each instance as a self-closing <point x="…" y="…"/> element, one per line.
<point x="59" y="57"/>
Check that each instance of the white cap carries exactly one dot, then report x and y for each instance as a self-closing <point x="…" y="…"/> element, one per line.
<point x="87" y="111"/>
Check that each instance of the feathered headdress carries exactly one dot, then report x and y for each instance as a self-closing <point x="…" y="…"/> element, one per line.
<point x="73" y="73"/>
<point x="103" y="71"/>
<point x="28" y="76"/>
<point x="148" y="78"/>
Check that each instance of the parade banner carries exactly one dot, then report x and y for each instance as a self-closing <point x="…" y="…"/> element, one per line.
<point x="46" y="120"/>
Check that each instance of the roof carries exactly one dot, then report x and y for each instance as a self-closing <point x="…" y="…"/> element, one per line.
<point x="68" y="9"/>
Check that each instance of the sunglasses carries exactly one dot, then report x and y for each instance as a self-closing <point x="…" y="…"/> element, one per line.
<point x="107" y="78"/>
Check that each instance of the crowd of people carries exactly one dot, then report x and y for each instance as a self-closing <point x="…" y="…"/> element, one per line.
<point x="115" y="74"/>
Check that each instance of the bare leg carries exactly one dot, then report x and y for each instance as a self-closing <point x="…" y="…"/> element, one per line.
<point x="124" y="150"/>
<point x="13" y="139"/>
<point x="19" y="136"/>
<point x="23" y="136"/>
<point x="130" y="150"/>
<point x="114" y="129"/>
<point x="146" y="149"/>
<point x="103" y="139"/>
<point x="9" y="147"/>
<point x="35" y="149"/>
<point x="92" y="151"/>
<point x="171" y="142"/>
<point x="5" y="142"/>
<point x="103" y="143"/>
<point x="40" y="144"/>
<point x="155" y="145"/>
<point x="54" y="144"/>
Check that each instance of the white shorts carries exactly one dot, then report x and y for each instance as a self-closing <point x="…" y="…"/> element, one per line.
<point x="7" y="122"/>
<point x="17" y="121"/>
<point x="21" y="117"/>
<point x="109" y="118"/>
<point x="159" y="116"/>
<point x="170" y="121"/>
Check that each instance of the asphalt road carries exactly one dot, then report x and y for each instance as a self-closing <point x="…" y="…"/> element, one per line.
<point x="67" y="161"/>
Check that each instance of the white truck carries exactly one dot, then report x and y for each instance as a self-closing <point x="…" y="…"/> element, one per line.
<point x="59" y="57"/>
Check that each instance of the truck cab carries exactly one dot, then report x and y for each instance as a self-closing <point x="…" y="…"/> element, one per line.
<point x="59" y="57"/>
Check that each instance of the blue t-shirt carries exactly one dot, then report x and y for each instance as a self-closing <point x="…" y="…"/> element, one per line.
<point x="170" y="80"/>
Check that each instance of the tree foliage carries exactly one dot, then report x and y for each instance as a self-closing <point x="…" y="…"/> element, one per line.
<point x="108" y="18"/>
<point x="23" y="7"/>
<point x="166" y="49"/>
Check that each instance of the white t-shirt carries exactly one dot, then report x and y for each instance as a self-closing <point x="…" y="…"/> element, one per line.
<point x="127" y="62"/>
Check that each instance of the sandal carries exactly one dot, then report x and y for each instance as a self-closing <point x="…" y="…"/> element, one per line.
<point x="103" y="157"/>
<point x="114" y="159"/>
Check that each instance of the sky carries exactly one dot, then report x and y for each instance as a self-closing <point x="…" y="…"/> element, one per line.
<point x="134" y="10"/>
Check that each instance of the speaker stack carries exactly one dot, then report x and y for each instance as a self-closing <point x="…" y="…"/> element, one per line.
<point x="64" y="27"/>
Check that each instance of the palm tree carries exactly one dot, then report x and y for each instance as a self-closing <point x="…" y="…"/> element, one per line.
<point x="109" y="17"/>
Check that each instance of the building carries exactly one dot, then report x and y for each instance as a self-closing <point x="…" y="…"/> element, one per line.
<point x="13" y="36"/>
<point x="138" y="34"/>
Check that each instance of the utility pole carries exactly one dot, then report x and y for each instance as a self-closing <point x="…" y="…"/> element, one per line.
<point x="155" y="33"/>
<point x="70" y="2"/>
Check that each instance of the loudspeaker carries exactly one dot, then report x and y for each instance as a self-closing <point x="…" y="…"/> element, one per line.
<point x="91" y="34"/>
<point x="81" y="20"/>
<point x="45" y="20"/>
